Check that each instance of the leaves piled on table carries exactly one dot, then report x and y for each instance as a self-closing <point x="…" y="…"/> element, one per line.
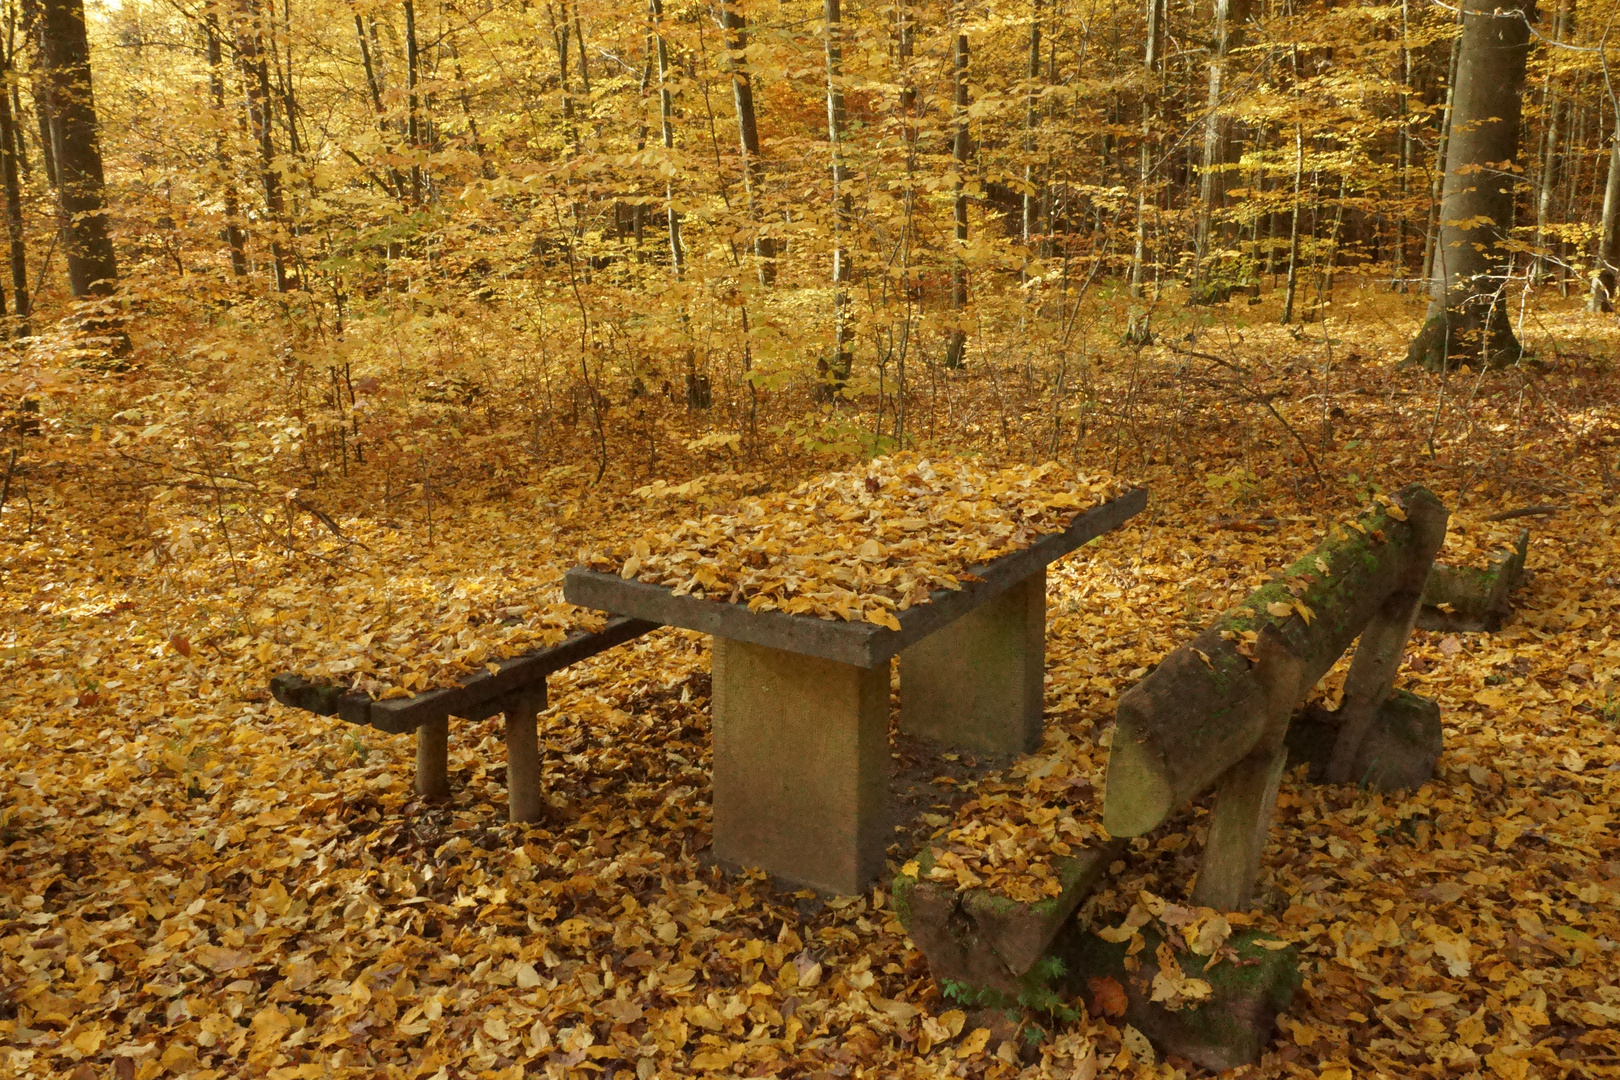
<point x="864" y="544"/>
<point x="1008" y="835"/>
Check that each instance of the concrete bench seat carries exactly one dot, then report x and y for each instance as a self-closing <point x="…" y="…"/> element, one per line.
<point x="801" y="703"/>
<point x="516" y="688"/>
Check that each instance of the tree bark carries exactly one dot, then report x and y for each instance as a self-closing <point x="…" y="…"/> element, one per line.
<point x="666" y="113"/>
<point x="1467" y="319"/>
<point x="735" y="25"/>
<point x="1601" y="297"/>
<point x="1150" y="64"/>
<point x="65" y="50"/>
<point x="216" y="86"/>
<point x="10" y="139"/>
<point x="1553" y="108"/>
<point x="256" y="78"/>
<point x="837" y="372"/>
<point x="1230" y="15"/>
<point x="961" y="148"/>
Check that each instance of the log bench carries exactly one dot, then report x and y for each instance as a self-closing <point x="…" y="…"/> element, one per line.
<point x="801" y="703"/>
<point x="1213" y="715"/>
<point x="517" y="688"/>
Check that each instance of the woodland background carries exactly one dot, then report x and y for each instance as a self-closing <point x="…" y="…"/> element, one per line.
<point x="400" y="307"/>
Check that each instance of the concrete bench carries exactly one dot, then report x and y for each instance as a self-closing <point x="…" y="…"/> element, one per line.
<point x="1213" y="716"/>
<point x="801" y="704"/>
<point x="516" y="688"/>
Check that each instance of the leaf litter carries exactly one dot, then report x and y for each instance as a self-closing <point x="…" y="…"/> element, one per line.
<point x="200" y="883"/>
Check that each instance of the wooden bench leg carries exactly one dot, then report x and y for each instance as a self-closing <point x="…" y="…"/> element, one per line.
<point x="523" y="755"/>
<point x="979" y="683"/>
<point x="801" y="765"/>
<point x="1372" y="675"/>
<point x="432" y="759"/>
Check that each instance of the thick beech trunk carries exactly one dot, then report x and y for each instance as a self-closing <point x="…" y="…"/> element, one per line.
<point x="76" y="142"/>
<point x="1468" y="320"/>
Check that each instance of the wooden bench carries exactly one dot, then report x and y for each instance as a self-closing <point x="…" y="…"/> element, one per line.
<point x="516" y="688"/>
<point x="1213" y="715"/>
<point x="801" y="704"/>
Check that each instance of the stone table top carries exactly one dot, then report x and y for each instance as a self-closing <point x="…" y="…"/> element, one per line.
<point x="862" y="644"/>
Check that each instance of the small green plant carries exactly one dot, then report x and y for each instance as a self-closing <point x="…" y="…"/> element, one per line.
<point x="1237" y="484"/>
<point x="356" y="747"/>
<point x="1035" y="993"/>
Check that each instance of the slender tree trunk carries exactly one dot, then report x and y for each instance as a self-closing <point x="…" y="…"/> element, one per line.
<point x="837" y="372"/>
<point x="374" y="85"/>
<point x="1468" y="319"/>
<point x="1230" y="15"/>
<point x="666" y="113"/>
<point x="1293" y="227"/>
<point x="735" y="26"/>
<point x="961" y="150"/>
<point x="1552" y="107"/>
<point x="256" y="78"/>
<point x="1150" y="64"/>
<point x="1601" y="297"/>
<point x="222" y="154"/>
<point x="92" y="266"/>
<point x="1399" y="271"/>
<point x="413" y="130"/>
<point x="1032" y="120"/>
<point x="10" y="137"/>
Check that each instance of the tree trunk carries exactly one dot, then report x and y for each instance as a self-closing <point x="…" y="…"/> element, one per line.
<point x="666" y="113"/>
<point x="838" y="370"/>
<point x="92" y="266"/>
<point x="956" y="345"/>
<point x="1155" y="41"/>
<point x="735" y="25"/>
<point x="374" y="85"/>
<point x="1467" y="318"/>
<point x="1430" y="231"/>
<point x="222" y="155"/>
<point x="413" y="131"/>
<point x="256" y="78"/>
<point x="1601" y="297"/>
<point x="1230" y="15"/>
<point x="1031" y="122"/>
<point x="1553" y="108"/>
<point x="10" y="139"/>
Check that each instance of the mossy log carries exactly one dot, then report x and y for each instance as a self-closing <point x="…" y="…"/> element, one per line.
<point x="1231" y="1027"/>
<point x="1477" y="597"/>
<point x="987" y="941"/>
<point x="1398" y="754"/>
<point x="1205" y="708"/>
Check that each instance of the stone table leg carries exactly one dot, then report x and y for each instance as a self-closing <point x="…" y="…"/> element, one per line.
<point x="432" y="759"/>
<point x="801" y="765"/>
<point x="523" y="755"/>
<point x="979" y="683"/>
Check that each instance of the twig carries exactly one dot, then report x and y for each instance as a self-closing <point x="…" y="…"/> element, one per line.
<point x="1526" y="511"/>
<point x="1260" y="399"/>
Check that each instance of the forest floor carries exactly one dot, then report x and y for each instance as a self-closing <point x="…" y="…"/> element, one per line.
<point x="199" y="882"/>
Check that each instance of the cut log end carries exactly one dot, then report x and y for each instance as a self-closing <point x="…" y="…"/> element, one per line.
<point x="1137" y="796"/>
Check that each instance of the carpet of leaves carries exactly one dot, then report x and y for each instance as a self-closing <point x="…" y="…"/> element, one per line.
<point x="863" y="544"/>
<point x="197" y="882"/>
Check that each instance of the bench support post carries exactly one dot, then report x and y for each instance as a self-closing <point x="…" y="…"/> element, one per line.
<point x="523" y="754"/>
<point x="801" y="765"/>
<point x="1246" y="793"/>
<point x="432" y="759"/>
<point x="979" y="682"/>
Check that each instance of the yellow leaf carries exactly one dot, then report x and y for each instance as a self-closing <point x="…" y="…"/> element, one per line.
<point x="1280" y="609"/>
<point x="1322" y="565"/>
<point x="1394" y="511"/>
<point x="973" y="1045"/>
<point x="1304" y="612"/>
<point x="952" y="1022"/>
<point x="1492" y="697"/>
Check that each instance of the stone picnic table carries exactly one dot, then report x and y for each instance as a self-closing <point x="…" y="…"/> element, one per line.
<point x="801" y="703"/>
